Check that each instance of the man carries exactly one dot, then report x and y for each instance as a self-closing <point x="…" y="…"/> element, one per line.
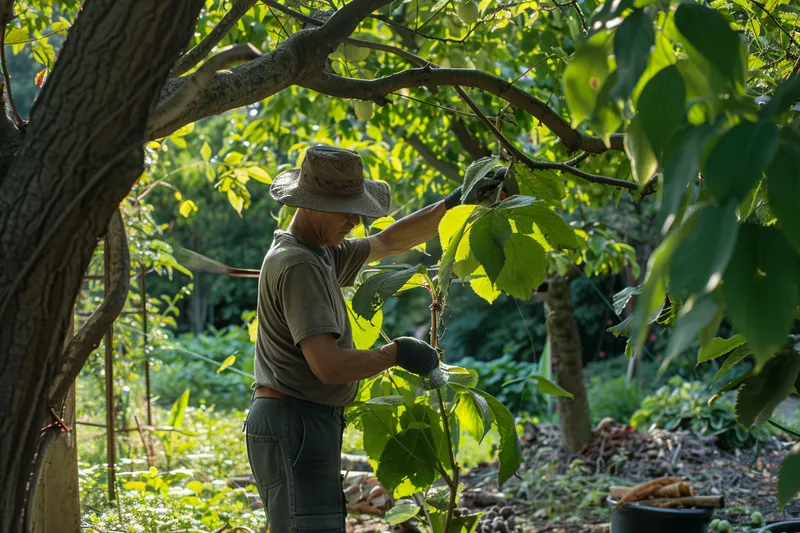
<point x="306" y="368"/>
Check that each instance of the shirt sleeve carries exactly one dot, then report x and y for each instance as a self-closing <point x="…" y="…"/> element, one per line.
<point x="306" y="301"/>
<point x="348" y="258"/>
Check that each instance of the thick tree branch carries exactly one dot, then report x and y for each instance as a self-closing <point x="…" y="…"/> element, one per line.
<point x="345" y="21"/>
<point x="89" y="336"/>
<point x="469" y="143"/>
<point x="196" y="54"/>
<point x="422" y="149"/>
<point x="377" y="90"/>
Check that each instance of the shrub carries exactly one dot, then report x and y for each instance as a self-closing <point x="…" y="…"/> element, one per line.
<point x="614" y="397"/>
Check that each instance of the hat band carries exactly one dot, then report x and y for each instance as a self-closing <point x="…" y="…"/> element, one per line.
<point x="344" y="188"/>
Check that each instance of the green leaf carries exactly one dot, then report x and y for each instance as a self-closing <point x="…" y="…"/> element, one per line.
<point x="16" y="36"/>
<point x="638" y="150"/>
<point x="473" y="412"/>
<point x="451" y="231"/>
<point x="408" y="459"/>
<point x="226" y="363"/>
<point x="195" y="486"/>
<point x="789" y="477"/>
<point x="461" y="376"/>
<point x="475" y="171"/>
<point x="548" y="387"/>
<point x="738" y="355"/>
<point x="178" y="410"/>
<point x="541" y="184"/>
<point x="735" y="164"/>
<point x="761" y="290"/>
<point x="681" y="167"/>
<point x="785" y="95"/>
<point x="205" y="152"/>
<point x="709" y="33"/>
<point x="661" y="109"/>
<point x="259" y="174"/>
<point x="139" y="486"/>
<point x="585" y="75"/>
<point x="510" y="451"/>
<point x="526" y="211"/>
<point x="621" y="299"/>
<point x="365" y="332"/>
<point x="483" y="286"/>
<point x="487" y="239"/>
<point x="691" y="319"/>
<point x="377" y="289"/>
<point x="233" y="158"/>
<point x="187" y="207"/>
<point x="761" y="393"/>
<point x="705" y="250"/>
<point x="718" y="347"/>
<point x="525" y="267"/>
<point x="606" y="118"/>
<point x="783" y="191"/>
<point x="402" y="511"/>
<point x="632" y="44"/>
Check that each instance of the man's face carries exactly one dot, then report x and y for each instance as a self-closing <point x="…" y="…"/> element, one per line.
<point x="334" y="227"/>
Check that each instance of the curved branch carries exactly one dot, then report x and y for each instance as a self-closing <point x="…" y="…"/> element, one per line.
<point x="88" y="337"/>
<point x="422" y="149"/>
<point x="469" y="143"/>
<point x="377" y="90"/>
<point x="196" y="54"/>
<point x="345" y="21"/>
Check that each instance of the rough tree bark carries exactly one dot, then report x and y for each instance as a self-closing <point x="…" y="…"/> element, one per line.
<point x="80" y="155"/>
<point x="567" y="361"/>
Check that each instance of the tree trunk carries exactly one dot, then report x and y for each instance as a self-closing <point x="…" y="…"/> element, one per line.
<point x="81" y="154"/>
<point x="567" y="360"/>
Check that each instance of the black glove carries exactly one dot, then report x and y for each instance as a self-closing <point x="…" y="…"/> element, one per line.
<point x="484" y="189"/>
<point x="416" y="356"/>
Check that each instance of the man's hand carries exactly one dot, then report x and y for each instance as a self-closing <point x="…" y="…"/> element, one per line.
<point x="484" y="189"/>
<point x="416" y="356"/>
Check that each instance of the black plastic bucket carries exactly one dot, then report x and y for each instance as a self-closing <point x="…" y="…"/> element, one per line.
<point x="642" y="519"/>
<point x="783" y="527"/>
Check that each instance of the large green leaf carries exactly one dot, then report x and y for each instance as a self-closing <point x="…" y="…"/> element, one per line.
<point x="374" y="292"/>
<point x="365" y="332"/>
<point x="453" y="221"/>
<point x="691" y="319"/>
<point x="761" y="290"/>
<point x="473" y="412"/>
<point x="681" y="167"/>
<point x="661" y="109"/>
<point x="632" y="44"/>
<point x="735" y="164"/>
<point x="789" y="477"/>
<point x="487" y="239"/>
<point x="451" y="232"/>
<point x="705" y="250"/>
<point x="585" y="75"/>
<point x="526" y="211"/>
<point x="783" y="191"/>
<point x="409" y="460"/>
<point x="761" y="393"/>
<point x="475" y="171"/>
<point x="709" y="33"/>
<point x="542" y="184"/>
<point x="638" y="150"/>
<point x="510" y="451"/>
<point x="606" y="117"/>
<point x="718" y="347"/>
<point x="402" y="511"/>
<point x="525" y="267"/>
<point x="178" y="410"/>
<point x="737" y="356"/>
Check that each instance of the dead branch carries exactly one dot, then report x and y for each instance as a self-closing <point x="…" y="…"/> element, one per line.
<point x="88" y="337"/>
<point x="196" y="54"/>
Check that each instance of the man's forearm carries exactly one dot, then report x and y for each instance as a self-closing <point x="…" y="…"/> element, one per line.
<point x="346" y="365"/>
<point x="414" y="229"/>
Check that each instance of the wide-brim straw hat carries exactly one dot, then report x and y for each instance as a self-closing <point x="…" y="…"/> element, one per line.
<point x="332" y="179"/>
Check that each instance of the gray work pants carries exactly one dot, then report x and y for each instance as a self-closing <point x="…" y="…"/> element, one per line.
<point x="294" y="448"/>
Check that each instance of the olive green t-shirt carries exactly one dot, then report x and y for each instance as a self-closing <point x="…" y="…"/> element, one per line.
<point x="299" y="295"/>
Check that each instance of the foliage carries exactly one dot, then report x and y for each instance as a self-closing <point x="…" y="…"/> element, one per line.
<point x="615" y="398"/>
<point x="685" y="405"/>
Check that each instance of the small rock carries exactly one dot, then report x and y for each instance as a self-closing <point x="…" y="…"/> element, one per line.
<point x="507" y="511"/>
<point x="499" y="525"/>
<point x="491" y="515"/>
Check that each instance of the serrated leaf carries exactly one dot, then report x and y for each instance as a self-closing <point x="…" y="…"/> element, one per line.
<point x="377" y="289"/>
<point x="632" y="43"/>
<point x="526" y="211"/>
<point x="621" y="299"/>
<point x="703" y="254"/>
<point x="473" y="412"/>
<point x="525" y="267"/>
<point x="452" y="222"/>
<point x="718" y="347"/>
<point x="408" y="458"/>
<point x="475" y="171"/>
<point x="783" y="191"/>
<point x="789" y="477"/>
<point x="205" y="152"/>
<point x="510" y="451"/>
<point x="761" y="289"/>
<point x="638" y="150"/>
<point x="661" y="108"/>
<point x="761" y="393"/>
<point x="483" y="286"/>
<point x="226" y="363"/>
<point x="461" y="376"/>
<point x="735" y="164"/>
<point x="543" y="185"/>
<point x="585" y="75"/>
<point x="365" y="332"/>
<point x="487" y="239"/>
<point x="737" y="356"/>
<point x="709" y="33"/>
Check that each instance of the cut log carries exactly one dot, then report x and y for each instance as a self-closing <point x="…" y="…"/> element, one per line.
<point x="695" y="502"/>
<point x="673" y="490"/>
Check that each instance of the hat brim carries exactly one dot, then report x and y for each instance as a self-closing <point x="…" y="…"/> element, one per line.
<point x="373" y="202"/>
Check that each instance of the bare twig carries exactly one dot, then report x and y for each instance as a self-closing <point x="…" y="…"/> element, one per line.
<point x="196" y="54"/>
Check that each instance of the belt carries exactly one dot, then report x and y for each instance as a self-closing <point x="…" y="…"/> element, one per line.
<point x="266" y="392"/>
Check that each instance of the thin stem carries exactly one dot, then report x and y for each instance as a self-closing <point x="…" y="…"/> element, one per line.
<point x="776" y="21"/>
<point x="783" y="428"/>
